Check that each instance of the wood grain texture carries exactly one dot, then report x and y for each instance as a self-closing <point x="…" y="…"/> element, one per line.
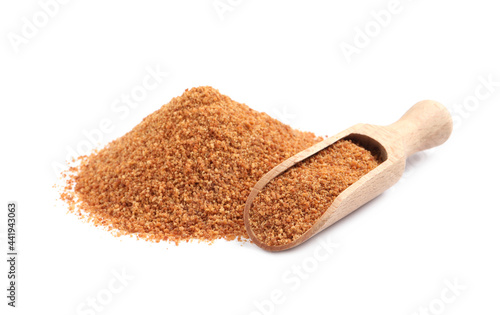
<point x="427" y="124"/>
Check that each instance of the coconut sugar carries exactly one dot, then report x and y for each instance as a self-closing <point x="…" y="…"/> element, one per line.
<point x="292" y="202"/>
<point x="185" y="171"/>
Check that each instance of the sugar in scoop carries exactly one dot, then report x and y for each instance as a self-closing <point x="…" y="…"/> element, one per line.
<point x="291" y="203"/>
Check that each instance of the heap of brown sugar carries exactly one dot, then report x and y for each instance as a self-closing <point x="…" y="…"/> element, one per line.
<point x="185" y="171"/>
<point x="292" y="202"/>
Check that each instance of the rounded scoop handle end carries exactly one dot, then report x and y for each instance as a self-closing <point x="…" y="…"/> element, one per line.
<point x="425" y="125"/>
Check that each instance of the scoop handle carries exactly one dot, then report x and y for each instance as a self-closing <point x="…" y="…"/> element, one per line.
<point x="425" y="125"/>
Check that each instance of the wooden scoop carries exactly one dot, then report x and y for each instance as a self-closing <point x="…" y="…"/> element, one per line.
<point x="426" y="125"/>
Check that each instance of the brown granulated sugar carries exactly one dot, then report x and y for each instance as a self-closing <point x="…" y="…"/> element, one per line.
<point x="292" y="202"/>
<point x="184" y="172"/>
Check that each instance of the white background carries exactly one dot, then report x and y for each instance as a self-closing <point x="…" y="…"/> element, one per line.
<point x="438" y="225"/>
